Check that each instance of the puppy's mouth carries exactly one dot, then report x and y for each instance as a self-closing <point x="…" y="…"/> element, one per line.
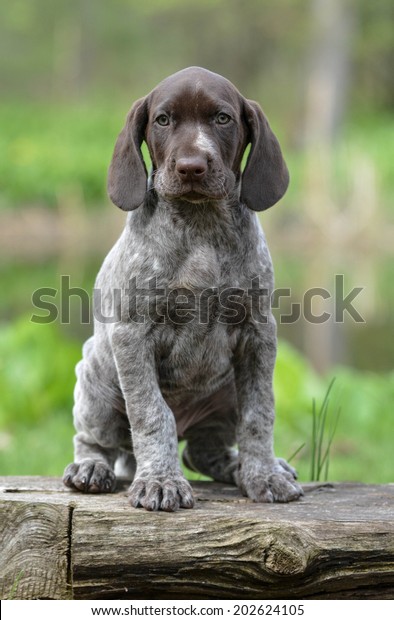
<point x="196" y="195"/>
<point x="193" y="191"/>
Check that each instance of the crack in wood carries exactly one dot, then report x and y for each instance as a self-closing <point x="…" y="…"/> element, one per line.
<point x="69" y="548"/>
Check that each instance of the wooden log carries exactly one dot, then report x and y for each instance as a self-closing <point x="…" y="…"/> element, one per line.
<point x="337" y="542"/>
<point x="34" y="542"/>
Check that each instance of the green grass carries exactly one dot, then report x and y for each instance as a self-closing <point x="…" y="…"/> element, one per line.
<point x="361" y="448"/>
<point x="323" y="432"/>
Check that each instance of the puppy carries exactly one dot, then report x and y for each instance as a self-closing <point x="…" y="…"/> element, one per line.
<point x="184" y="340"/>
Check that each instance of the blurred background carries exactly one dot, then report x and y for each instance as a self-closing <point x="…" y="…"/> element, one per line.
<point x="322" y="72"/>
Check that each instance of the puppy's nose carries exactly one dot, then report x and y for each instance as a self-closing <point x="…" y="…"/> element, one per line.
<point x="191" y="168"/>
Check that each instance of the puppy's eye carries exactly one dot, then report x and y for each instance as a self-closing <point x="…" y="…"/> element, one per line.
<point x="222" y="118"/>
<point x="163" y="120"/>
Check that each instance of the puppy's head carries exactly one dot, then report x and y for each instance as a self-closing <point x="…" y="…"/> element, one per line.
<point x="197" y="125"/>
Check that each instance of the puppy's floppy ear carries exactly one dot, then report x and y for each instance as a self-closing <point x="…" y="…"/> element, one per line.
<point x="265" y="178"/>
<point x="127" y="172"/>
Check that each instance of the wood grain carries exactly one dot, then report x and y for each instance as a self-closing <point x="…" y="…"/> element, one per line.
<point x="337" y="542"/>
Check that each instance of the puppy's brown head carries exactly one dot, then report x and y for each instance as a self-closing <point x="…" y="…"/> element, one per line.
<point x="197" y="125"/>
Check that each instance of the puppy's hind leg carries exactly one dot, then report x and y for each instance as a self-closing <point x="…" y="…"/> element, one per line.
<point x="101" y="430"/>
<point x="210" y="443"/>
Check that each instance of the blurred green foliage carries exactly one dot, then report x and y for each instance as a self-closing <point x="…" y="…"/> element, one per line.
<point x="46" y="152"/>
<point x="366" y="403"/>
<point x="36" y="372"/>
<point x="88" y="48"/>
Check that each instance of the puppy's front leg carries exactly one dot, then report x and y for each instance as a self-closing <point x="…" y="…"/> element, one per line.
<point x="159" y="483"/>
<point x="261" y="476"/>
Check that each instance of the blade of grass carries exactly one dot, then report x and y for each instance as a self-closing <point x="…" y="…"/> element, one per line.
<point x="296" y="452"/>
<point x="313" y="457"/>
<point x="322" y="428"/>
<point x="319" y="422"/>
<point x="326" y="467"/>
<point x="327" y="453"/>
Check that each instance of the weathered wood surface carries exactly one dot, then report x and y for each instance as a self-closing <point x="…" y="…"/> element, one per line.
<point x="337" y="542"/>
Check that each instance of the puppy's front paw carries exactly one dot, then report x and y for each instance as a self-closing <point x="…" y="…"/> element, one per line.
<point x="161" y="493"/>
<point x="275" y="483"/>
<point x="90" y="476"/>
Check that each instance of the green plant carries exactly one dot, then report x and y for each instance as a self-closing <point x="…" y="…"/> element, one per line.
<point x="296" y="452"/>
<point x="323" y="433"/>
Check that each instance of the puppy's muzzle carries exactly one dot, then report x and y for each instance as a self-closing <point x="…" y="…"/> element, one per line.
<point x="191" y="169"/>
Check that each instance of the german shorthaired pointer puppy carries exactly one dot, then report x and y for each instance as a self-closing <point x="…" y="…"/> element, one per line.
<point x="184" y="342"/>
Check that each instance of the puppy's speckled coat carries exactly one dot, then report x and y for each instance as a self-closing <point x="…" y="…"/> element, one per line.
<point x="191" y="235"/>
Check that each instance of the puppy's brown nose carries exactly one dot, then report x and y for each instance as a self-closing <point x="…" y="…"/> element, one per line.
<point x="191" y="168"/>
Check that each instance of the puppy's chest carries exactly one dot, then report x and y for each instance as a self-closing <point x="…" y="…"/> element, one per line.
<point x="200" y="288"/>
<point x="198" y="331"/>
<point x="196" y="270"/>
<point x="195" y="356"/>
<point x="206" y="267"/>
